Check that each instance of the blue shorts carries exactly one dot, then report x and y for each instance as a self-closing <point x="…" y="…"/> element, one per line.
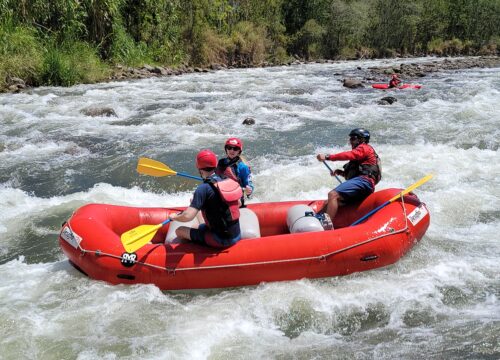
<point x="355" y="189"/>
<point x="203" y="235"/>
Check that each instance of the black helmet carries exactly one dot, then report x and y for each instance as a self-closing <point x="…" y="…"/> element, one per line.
<point x="360" y="133"/>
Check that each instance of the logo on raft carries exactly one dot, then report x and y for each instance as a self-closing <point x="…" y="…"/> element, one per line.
<point x="417" y="214"/>
<point x="71" y="237"/>
<point x="128" y="259"/>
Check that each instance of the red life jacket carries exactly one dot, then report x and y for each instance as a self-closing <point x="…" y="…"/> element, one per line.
<point x="228" y="194"/>
<point x="229" y="173"/>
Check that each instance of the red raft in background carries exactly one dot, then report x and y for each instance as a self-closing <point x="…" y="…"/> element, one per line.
<point x="91" y="241"/>
<point x="404" y="86"/>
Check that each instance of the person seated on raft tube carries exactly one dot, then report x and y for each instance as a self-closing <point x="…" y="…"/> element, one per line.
<point x="362" y="172"/>
<point x="234" y="167"/>
<point x="218" y="201"/>
<point x="395" y="81"/>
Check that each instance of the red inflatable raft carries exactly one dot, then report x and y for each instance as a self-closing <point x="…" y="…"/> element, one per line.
<point x="91" y="241"/>
<point x="404" y="86"/>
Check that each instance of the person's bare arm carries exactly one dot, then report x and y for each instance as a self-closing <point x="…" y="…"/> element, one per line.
<point x="185" y="216"/>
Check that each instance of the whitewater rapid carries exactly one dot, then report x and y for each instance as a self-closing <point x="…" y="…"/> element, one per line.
<point x="439" y="301"/>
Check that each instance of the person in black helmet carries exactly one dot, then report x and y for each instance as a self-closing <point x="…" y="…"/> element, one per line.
<point x="362" y="172"/>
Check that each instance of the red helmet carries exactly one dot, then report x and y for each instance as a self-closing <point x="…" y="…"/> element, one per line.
<point x="206" y="159"/>
<point x="234" y="142"/>
<point x="394" y="76"/>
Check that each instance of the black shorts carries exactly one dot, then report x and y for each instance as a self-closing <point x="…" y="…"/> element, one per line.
<point x="203" y="235"/>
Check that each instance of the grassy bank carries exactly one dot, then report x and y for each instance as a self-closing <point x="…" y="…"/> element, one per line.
<point x="65" y="42"/>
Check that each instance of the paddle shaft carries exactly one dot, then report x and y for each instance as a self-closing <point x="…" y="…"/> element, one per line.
<point x="136" y="238"/>
<point x="331" y="171"/>
<point x="189" y="176"/>
<point x="165" y="222"/>
<point x="401" y="194"/>
<point x="155" y="228"/>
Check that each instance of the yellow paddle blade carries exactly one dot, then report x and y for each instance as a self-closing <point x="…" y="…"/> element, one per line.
<point x="154" y="168"/>
<point x="138" y="237"/>
<point x="412" y="187"/>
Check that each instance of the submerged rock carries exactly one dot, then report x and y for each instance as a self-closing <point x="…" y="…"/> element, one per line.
<point x="249" y="121"/>
<point x="388" y="100"/>
<point x="193" y="120"/>
<point x="98" y="111"/>
<point x="352" y="83"/>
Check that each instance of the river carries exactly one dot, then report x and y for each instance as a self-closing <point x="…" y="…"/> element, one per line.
<point x="440" y="301"/>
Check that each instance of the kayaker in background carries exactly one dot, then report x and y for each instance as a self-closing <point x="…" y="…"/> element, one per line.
<point x="362" y="172"/>
<point x="234" y="166"/>
<point x="218" y="201"/>
<point x="395" y="81"/>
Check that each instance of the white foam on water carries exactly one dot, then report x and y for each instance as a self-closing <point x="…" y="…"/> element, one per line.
<point x="20" y="151"/>
<point x="18" y="208"/>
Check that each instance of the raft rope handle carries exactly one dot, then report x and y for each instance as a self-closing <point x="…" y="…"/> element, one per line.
<point x="322" y="257"/>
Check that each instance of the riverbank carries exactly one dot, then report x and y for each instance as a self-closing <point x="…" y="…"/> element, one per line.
<point x="414" y="70"/>
<point x="407" y="71"/>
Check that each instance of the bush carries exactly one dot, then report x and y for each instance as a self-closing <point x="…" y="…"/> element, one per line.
<point x="365" y="53"/>
<point x="307" y="42"/>
<point x="347" y="53"/>
<point x="165" y="53"/>
<point x="280" y="56"/>
<point x="248" y="44"/>
<point x="436" y="46"/>
<point x="468" y="47"/>
<point x="20" y="53"/>
<point x="70" y="64"/>
<point x="450" y="47"/>
<point x="124" y="50"/>
<point x="386" y="53"/>
<point x="56" y="69"/>
<point x="491" y="48"/>
<point x="86" y="64"/>
<point x="214" y="48"/>
<point x="454" y="46"/>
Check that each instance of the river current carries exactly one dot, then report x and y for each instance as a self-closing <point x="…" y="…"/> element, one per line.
<point x="440" y="301"/>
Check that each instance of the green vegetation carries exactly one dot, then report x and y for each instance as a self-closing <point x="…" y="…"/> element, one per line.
<point x="64" y="42"/>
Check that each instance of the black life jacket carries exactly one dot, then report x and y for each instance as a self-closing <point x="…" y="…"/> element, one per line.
<point x="224" y="211"/>
<point x="354" y="168"/>
<point x="229" y="168"/>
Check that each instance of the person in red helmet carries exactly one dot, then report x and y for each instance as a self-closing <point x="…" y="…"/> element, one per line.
<point x="395" y="81"/>
<point x="234" y="167"/>
<point x="362" y="172"/>
<point x="218" y="200"/>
